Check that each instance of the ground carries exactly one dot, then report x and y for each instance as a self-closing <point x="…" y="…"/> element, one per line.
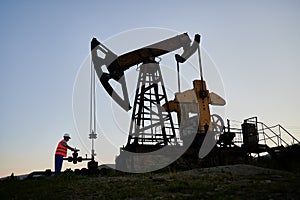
<point x="223" y="182"/>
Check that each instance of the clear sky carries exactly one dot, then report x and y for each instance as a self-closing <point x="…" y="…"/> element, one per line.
<point x="254" y="44"/>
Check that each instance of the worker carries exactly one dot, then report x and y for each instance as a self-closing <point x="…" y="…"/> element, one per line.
<point x="61" y="152"/>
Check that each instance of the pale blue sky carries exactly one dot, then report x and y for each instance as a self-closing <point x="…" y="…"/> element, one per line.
<point x="255" y="45"/>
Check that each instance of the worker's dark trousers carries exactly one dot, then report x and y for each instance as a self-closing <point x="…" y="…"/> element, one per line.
<point x="58" y="164"/>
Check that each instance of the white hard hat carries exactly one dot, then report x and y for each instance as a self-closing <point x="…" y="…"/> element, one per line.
<point x="67" y="135"/>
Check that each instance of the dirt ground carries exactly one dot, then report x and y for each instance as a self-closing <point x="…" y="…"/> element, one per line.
<point x="222" y="182"/>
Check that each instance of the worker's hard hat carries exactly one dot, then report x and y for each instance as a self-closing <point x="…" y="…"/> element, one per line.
<point x="67" y="135"/>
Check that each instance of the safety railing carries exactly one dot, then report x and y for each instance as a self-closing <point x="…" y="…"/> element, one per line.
<point x="275" y="135"/>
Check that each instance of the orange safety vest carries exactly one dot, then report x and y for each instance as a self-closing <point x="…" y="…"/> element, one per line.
<point x="61" y="150"/>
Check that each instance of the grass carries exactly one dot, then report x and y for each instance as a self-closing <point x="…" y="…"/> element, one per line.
<point x="167" y="185"/>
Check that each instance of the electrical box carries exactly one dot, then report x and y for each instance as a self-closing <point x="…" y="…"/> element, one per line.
<point x="250" y="134"/>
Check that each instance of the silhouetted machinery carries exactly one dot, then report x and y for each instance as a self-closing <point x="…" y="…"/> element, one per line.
<point x="152" y="126"/>
<point x="92" y="164"/>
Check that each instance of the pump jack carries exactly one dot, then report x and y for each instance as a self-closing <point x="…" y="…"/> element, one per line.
<point x="151" y="109"/>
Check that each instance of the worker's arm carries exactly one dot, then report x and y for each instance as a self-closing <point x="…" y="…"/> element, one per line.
<point x="71" y="148"/>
